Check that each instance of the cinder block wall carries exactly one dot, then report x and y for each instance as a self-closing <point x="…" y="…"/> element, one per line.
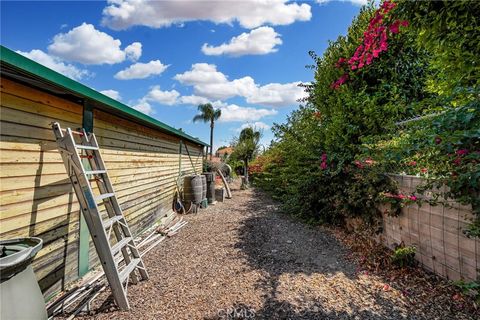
<point x="437" y="233"/>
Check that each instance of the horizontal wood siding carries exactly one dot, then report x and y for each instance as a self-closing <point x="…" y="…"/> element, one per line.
<point x="143" y="165"/>
<point x="36" y="197"/>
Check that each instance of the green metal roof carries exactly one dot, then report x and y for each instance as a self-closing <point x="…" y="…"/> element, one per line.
<point x="31" y="67"/>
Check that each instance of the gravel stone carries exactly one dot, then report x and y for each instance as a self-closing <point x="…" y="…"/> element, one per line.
<point x="243" y="259"/>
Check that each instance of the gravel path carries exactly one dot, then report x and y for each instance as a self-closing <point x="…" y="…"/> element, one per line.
<point x="241" y="259"/>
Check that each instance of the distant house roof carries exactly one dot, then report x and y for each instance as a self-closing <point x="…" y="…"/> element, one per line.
<point x="223" y="151"/>
<point x="21" y="68"/>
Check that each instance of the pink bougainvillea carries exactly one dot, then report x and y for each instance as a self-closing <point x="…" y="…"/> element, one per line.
<point x="400" y="196"/>
<point x="367" y="162"/>
<point x="359" y="164"/>
<point x="340" y="81"/>
<point x="323" y="164"/>
<point x="374" y="42"/>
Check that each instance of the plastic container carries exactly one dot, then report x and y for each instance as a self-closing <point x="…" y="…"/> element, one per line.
<point x="204" y="187"/>
<point x="20" y="294"/>
<point x="210" y="186"/>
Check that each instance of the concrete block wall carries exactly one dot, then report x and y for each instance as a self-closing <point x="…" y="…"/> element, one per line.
<point x="437" y="233"/>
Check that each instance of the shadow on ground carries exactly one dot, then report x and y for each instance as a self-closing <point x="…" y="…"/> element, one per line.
<point x="283" y="249"/>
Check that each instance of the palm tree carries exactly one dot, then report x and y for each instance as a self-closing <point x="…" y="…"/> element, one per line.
<point x="246" y="148"/>
<point x="208" y="114"/>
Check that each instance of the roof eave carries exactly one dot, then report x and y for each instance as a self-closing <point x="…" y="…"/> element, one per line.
<point x="26" y="65"/>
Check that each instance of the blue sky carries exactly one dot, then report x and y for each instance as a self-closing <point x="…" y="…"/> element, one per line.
<point x="165" y="57"/>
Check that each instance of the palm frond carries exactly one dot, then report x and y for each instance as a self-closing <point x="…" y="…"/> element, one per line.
<point x="217" y="114"/>
<point x="200" y="117"/>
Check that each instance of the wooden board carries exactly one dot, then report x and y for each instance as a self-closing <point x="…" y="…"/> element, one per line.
<point x="36" y="198"/>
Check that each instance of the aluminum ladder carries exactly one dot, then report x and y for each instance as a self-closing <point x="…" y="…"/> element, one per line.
<point x="118" y="253"/>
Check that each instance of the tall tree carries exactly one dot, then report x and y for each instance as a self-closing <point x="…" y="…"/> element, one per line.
<point x="208" y="114"/>
<point x="246" y="148"/>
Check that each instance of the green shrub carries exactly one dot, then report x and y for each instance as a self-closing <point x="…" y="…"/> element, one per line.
<point x="470" y="289"/>
<point x="404" y="256"/>
<point x="328" y="160"/>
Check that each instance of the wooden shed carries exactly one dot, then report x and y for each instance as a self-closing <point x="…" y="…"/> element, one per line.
<point x="144" y="157"/>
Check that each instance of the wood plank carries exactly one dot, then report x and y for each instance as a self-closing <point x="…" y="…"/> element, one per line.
<point x="59" y="202"/>
<point x="129" y="136"/>
<point x="32" y="194"/>
<point x="45" y="180"/>
<point x="27" y="92"/>
<point x="118" y="124"/>
<point x="41" y="110"/>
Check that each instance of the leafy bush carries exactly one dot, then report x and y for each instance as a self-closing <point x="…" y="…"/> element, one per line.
<point x="404" y="256"/>
<point x="328" y="160"/>
<point x="470" y="289"/>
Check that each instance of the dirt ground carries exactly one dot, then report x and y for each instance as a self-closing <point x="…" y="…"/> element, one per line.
<point x="242" y="259"/>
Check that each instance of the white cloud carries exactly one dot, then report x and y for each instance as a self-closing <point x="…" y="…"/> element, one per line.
<point x="145" y="107"/>
<point x="163" y="97"/>
<point x="112" y="94"/>
<point x="277" y="94"/>
<point x="56" y="64"/>
<point x="193" y="100"/>
<point x="355" y="2"/>
<point x="212" y="84"/>
<point x="142" y="70"/>
<point x="258" y="125"/>
<point x="87" y="45"/>
<point x="233" y="113"/>
<point x="134" y="51"/>
<point x="259" y="41"/>
<point x="201" y="73"/>
<point x="122" y="14"/>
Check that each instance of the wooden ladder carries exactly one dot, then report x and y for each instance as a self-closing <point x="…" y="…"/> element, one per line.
<point x="118" y="253"/>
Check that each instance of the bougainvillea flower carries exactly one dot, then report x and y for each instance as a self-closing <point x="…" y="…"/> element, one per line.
<point x="424" y="170"/>
<point x="340" y="81"/>
<point x="412" y="163"/>
<point x="374" y="42"/>
<point x="462" y="152"/>
<point x="340" y="62"/>
<point x="457" y="161"/>
<point x="395" y="196"/>
<point x="413" y="198"/>
<point x="323" y="165"/>
<point x="395" y="27"/>
<point x="358" y="164"/>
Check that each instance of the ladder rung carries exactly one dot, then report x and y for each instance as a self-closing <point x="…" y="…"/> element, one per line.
<point x="74" y="132"/>
<point x="120" y="244"/>
<point x="96" y="172"/>
<point x="81" y="146"/>
<point x="104" y="196"/>
<point x="108" y="223"/>
<point x="128" y="269"/>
